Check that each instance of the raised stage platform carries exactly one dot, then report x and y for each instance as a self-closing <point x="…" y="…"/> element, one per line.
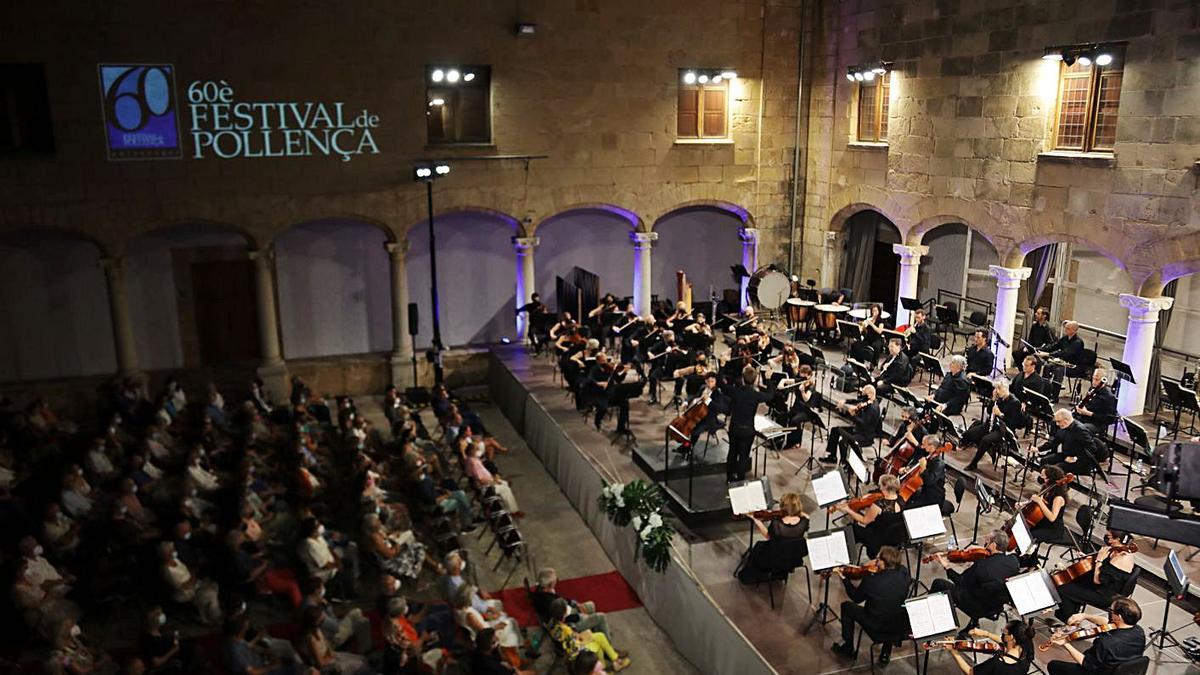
<point x="720" y="625"/>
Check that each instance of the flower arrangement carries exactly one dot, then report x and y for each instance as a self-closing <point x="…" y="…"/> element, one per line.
<point x="636" y="505"/>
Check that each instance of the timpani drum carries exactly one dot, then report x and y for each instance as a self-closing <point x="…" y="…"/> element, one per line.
<point x="769" y="288"/>
<point x="829" y="315"/>
<point x="799" y="310"/>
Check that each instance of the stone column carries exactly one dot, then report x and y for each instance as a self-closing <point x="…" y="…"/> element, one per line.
<point x="118" y="309"/>
<point x="273" y="370"/>
<point x="402" y="343"/>
<point x="526" y="281"/>
<point x="749" y="237"/>
<point x="910" y="263"/>
<point x="1139" y="349"/>
<point x="642" y="242"/>
<point x="1008" y="283"/>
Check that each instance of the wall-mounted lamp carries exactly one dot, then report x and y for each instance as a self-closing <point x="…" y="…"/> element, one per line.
<point x="1098" y="53"/>
<point x="867" y="72"/>
<point x="526" y="29"/>
<point x="708" y="75"/>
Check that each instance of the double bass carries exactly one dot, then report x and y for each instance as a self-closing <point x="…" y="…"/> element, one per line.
<point x="1086" y="565"/>
<point x="1031" y="512"/>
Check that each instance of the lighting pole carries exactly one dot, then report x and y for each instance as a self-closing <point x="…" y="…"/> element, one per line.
<point x="427" y="174"/>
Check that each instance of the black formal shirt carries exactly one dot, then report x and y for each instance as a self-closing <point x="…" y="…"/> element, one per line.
<point x="895" y="370"/>
<point x="980" y="361"/>
<point x="981" y="587"/>
<point x="1068" y="348"/>
<point x="1024" y="382"/>
<point x="883" y="594"/>
<point x="743" y="404"/>
<point x="1075" y="440"/>
<point x="1010" y="411"/>
<point x="866" y="422"/>
<point x="1114" y="647"/>
<point x="921" y="340"/>
<point x="1103" y="406"/>
<point x="1040" y="335"/>
<point x="955" y="392"/>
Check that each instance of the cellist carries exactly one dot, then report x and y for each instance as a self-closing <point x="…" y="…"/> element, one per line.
<point x="1053" y="505"/>
<point x="718" y="404"/>
<point x="1108" y="577"/>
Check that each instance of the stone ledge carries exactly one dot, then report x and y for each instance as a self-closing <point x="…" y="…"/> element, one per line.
<point x="864" y="145"/>
<point x="1086" y="158"/>
<point x="703" y="141"/>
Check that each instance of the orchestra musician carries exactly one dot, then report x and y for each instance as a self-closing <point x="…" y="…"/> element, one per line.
<point x="691" y="378"/>
<point x="872" y="329"/>
<point x="788" y="362"/>
<point x="980" y="358"/>
<point x="954" y="391"/>
<point x="578" y="356"/>
<point x="700" y="327"/>
<point x="1029" y="379"/>
<point x="1123" y="642"/>
<point x="629" y="328"/>
<point x="680" y="318"/>
<point x="866" y="419"/>
<point x="596" y="371"/>
<point x="1098" y="409"/>
<point x="933" y="475"/>
<point x="748" y="324"/>
<point x="744" y="400"/>
<point x="920" y="335"/>
<point x="876" y="603"/>
<point x="895" y="371"/>
<point x="664" y="363"/>
<point x="1070" y="444"/>
<point x="718" y="404"/>
<point x="1040" y="335"/>
<point x="880" y="523"/>
<point x="601" y="315"/>
<point x="1110" y="572"/>
<point x="910" y="430"/>
<point x="976" y="590"/>
<point x="1069" y="348"/>
<point x="791" y="525"/>
<point x="1053" y="505"/>
<point x="564" y="326"/>
<point x="536" y="314"/>
<point x="803" y="403"/>
<point x="610" y="396"/>
<point x="1017" y="651"/>
<point x="989" y="435"/>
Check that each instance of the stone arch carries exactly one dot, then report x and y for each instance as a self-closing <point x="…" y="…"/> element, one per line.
<point x="742" y="214"/>
<point x="179" y="225"/>
<point x="519" y="228"/>
<point x="1184" y="256"/>
<point x="388" y="233"/>
<point x="837" y="223"/>
<point x="636" y="224"/>
<point x="1017" y="255"/>
<point x="987" y="228"/>
<point x="33" y="233"/>
<point x="703" y="239"/>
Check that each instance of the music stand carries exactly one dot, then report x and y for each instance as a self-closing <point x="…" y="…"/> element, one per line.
<point x="1177" y="585"/>
<point x="750" y="496"/>
<point x="911" y="304"/>
<point x="1123" y="372"/>
<point x="857" y="466"/>
<point x="889" y="334"/>
<point x="849" y="329"/>
<point x="983" y="504"/>
<point x="1041" y="408"/>
<point x="931" y="365"/>
<point x="923" y="523"/>
<point x="1032" y="593"/>
<point x="826" y="550"/>
<point x="814" y="418"/>
<point x="1139" y="440"/>
<point x="930" y="617"/>
<point x="907" y="398"/>
<point x="943" y="421"/>
<point x="985" y="390"/>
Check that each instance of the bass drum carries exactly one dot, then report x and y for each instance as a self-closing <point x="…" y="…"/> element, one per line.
<point x="769" y="288"/>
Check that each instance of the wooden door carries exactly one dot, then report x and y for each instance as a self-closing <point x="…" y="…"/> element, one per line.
<point x="225" y="308"/>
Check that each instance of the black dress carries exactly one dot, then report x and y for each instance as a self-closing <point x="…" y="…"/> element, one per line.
<point x="1002" y="664"/>
<point x="886" y="530"/>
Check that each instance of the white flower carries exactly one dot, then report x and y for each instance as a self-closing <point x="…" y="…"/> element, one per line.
<point x="620" y="502"/>
<point x="647" y="533"/>
<point x="655" y="520"/>
<point x="636" y="522"/>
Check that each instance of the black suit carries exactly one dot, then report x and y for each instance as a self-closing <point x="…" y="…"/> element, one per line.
<point x="1074" y="441"/>
<point x="988" y="441"/>
<point x="1040" y="335"/>
<point x="1070" y="349"/>
<point x="866" y="422"/>
<point x="1032" y="382"/>
<point x="979" y="590"/>
<point x="896" y="373"/>
<point x="1108" y="650"/>
<point x="955" y="392"/>
<point x="921" y="341"/>
<point x="743" y="404"/>
<point x="881" y="611"/>
<point x="1103" y="406"/>
<point x="980" y="361"/>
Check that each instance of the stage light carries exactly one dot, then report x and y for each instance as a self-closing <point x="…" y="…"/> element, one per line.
<point x="869" y="75"/>
<point x="468" y="77"/>
<point x="702" y="78"/>
<point x="729" y="74"/>
<point x="526" y="29"/>
<point x="879" y="69"/>
<point x="422" y="173"/>
<point x="505" y="340"/>
<point x="1052" y="54"/>
<point x="858" y="77"/>
<point x="1084" y="60"/>
<point x="689" y="77"/>
<point x="436" y="102"/>
<point x="452" y="76"/>
<point x="1104" y="59"/>
<point x="437" y="75"/>
<point x="716" y="79"/>
<point x="442" y="169"/>
<point x="850" y="76"/>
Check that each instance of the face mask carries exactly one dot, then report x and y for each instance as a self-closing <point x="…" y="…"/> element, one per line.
<point x="162" y="619"/>
<point x="37" y="550"/>
<point x="175" y="555"/>
<point x="321" y="592"/>
<point x="321" y="530"/>
<point x="75" y="631"/>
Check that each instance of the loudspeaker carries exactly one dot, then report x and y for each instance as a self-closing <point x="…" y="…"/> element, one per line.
<point x="412" y="318"/>
<point x="1178" y="463"/>
<point x="1153" y="523"/>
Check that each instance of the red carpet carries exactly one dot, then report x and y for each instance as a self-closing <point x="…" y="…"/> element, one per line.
<point x="610" y="592"/>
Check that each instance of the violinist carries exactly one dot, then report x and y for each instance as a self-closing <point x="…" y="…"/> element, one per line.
<point x="536" y="315"/>
<point x="691" y="378"/>
<point x="599" y="317"/>
<point x="629" y="327"/>
<point x="895" y="371"/>
<point x="919" y="334"/>
<point x="988" y="435"/>
<point x="979" y="590"/>
<point x="790" y="526"/>
<point x="953" y="392"/>
<point x="1124" y="641"/>
<point x="867" y="421"/>
<point x="611" y="396"/>
<point x="933" y="473"/>
<point x="880" y="523"/>
<point x="1053" y="505"/>
<point x="592" y="387"/>
<point x="577" y="361"/>
<point x="680" y="319"/>
<point x="1110" y="572"/>
<point x="1098" y="409"/>
<point x="748" y="324"/>
<point x="664" y="363"/>
<point x="803" y="403"/>
<point x="700" y="327"/>
<point x="876" y="604"/>
<point x="979" y="355"/>
<point x="788" y="362"/>
<point x="1016" y="651"/>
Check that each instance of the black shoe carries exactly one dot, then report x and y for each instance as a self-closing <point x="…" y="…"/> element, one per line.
<point x="828" y="459"/>
<point x="885" y="654"/>
<point x="842" y="649"/>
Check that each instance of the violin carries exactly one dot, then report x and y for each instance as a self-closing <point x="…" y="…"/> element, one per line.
<point x="1085" y="566"/>
<point x="983" y="646"/>
<point x="1031" y="512"/>
<point x="856" y="571"/>
<point x="910" y="484"/>
<point x="769" y="514"/>
<point x="961" y="555"/>
<point x="1077" y="634"/>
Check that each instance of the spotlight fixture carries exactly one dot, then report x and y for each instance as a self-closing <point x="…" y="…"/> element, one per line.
<point x="1084" y="60"/>
<point x="716" y="79"/>
<point x="467" y="77"/>
<point x="441" y="169"/>
<point x="708" y="75"/>
<point x="423" y="173"/>
<point x="689" y="77"/>
<point x="452" y="76"/>
<point x="867" y="72"/>
<point x="437" y="75"/>
<point x="1104" y="59"/>
<point x="434" y="102"/>
<point x="526" y="29"/>
<point x="728" y="74"/>
<point x="702" y="78"/>
<point x="1095" y="53"/>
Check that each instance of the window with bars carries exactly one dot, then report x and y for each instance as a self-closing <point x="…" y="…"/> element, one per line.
<point x="873" y="100"/>
<point x="703" y="111"/>
<point x="1088" y="96"/>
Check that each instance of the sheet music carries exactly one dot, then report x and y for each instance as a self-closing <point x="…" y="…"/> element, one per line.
<point x="1030" y="592"/>
<point x="857" y="466"/>
<point x="931" y="615"/>
<point x="1021" y="534"/>
<point x="748" y="498"/>
<point x="829" y="488"/>
<point x="766" y="426"/>
<point x="828" y="551"/>
<point x="924" y="522"/>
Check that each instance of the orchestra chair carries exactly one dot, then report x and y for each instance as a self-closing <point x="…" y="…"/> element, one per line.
<point x="1171" y="398"/>
<point x="1084" y="517"/>
<point x="896" y="638"/>
<point x="1135" y="666"/>
<point x="947" y="318"/>
<point x="1076" y="375"/>
<point x="783" y="557"/>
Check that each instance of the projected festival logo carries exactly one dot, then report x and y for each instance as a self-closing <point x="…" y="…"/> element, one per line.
<point x="140" y="111"/>
<point x="141" y="120"/>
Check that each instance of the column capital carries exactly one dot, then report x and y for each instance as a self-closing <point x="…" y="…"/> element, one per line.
<point x="1145" y="309"/>
<point x="643" y="239"/>
<point x="262" y="256"/>
<point x="524" y="245"/>
<point x="398" y="249"/>
<point x="748" y="235"/>
<point x="909" y="255"/>
<point x="1009" y="277"/>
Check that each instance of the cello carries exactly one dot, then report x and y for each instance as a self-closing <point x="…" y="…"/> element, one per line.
<point x="1031" y="512"/>
<point x="1085" y="565"/>
<point x="681" y="427"/>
